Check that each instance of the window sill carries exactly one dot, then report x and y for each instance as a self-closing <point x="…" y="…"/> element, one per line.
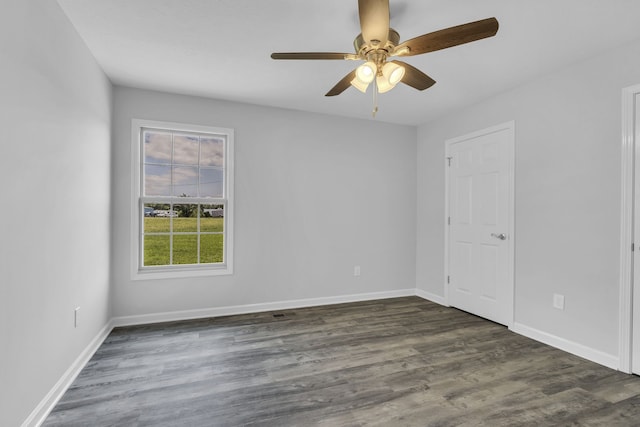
<point x="180" y="273"/>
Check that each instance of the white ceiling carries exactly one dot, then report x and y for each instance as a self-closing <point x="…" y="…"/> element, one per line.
<point x="220" y="48"/>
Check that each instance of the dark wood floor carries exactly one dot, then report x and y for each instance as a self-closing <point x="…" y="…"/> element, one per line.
<point x="395" y="362"/>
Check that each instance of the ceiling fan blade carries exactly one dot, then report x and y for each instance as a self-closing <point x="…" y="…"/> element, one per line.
<point x="414" y="77"/>
<point x="342" y="84"/>
<point x="374" y="20"/>
<point x="450" y="37"/>
<point x="309" y="55"/>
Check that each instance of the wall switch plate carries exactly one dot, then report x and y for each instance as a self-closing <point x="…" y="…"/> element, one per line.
<point x="558" y="301"/>
<point x="356" y="270"/>
<point x="76" y="317"/>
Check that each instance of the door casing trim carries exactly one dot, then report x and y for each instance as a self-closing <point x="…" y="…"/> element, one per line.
<point x="627" y="213"/>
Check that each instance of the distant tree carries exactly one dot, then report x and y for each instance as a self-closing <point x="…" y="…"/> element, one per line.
<point x="159" y="206"/>
<point x="186" y="210"/>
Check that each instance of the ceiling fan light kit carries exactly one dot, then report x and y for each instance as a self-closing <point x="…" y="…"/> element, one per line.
<point x="386" y="77"/>
<point x="378" y="42"/>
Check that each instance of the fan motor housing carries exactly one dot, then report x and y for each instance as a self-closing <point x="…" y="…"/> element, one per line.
<point x="363" y="48"/>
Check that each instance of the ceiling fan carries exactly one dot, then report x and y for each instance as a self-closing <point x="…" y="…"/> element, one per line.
<point x="378" y="42"/>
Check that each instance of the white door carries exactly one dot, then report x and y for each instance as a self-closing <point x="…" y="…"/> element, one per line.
<point x="480" y="223"/>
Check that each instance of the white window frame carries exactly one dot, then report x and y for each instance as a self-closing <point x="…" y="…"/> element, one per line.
<point x="138" y="272"/>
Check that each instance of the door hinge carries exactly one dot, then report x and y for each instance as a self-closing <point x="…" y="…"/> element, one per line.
<point x="633" y="247"/>
<point x="448" y="220"/>
<point x="448" y="279"/>
<point x="449" y="160"/>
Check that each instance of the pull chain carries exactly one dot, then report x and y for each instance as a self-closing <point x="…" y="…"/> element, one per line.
<point x="375" y="99"/>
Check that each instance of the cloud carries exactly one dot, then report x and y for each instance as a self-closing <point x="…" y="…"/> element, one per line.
<point x="157" y="180"/>
<point x="187" y="149"/>
<point x="157" y="147"/>
<point x="212" y="152"/>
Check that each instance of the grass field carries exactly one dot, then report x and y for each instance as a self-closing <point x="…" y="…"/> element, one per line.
<point x="185" y="246"/>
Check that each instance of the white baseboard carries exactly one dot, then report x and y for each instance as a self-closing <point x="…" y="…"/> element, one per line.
<point x="431" y="297"/>
<point x="583" y="351"/>
<point x="46" y="405"/>
<point x="254" y="308"/>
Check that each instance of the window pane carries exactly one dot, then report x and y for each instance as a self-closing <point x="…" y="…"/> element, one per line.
<point x="185" y="150"/>
<point x="211" y="248"/>
<point x="212" y="151"/>
<point x="212" y="219"/>
<point x="185" y="181"/>
<point x="186" y="218"/>
<point x="156" y="250"/>
<point x="185" y="249"/>
<point x="156" y="219"/>
<point x="211" y="182"/>
<point x="157" y="146"/>
<point x="186" y="210"/>
<point x="157" y="180"/>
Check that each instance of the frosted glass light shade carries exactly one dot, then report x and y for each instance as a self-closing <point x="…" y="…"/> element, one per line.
<point x="393" y="73"/>
<point x="362" y="87"/>
<point x="383" y="84"/>
<point x="366" y="72"/>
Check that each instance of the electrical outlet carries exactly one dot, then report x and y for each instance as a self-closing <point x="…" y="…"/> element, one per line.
<point x="558" y="301"/>
<point x="356" y="270"/>
<point x="76" y="317"/>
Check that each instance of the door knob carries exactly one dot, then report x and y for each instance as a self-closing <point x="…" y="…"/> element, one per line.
<point x="500" y="236"/>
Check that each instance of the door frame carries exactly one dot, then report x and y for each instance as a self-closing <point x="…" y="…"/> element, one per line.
<point x="510" y="128"/>
<point x="629" y="208"/>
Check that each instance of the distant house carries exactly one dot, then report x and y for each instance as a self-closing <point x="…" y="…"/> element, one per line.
<point x="214" y="213"/>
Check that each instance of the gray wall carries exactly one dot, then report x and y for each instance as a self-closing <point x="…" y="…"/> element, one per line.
<point x="55" y="139"/>
<point x="567" y="189"/>
<point x="314" y="196"/>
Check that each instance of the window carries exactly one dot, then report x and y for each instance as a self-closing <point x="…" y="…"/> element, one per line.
<point x="183" y="205"/>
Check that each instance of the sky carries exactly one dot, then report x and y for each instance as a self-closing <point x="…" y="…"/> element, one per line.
<point x="177" y="163"/>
